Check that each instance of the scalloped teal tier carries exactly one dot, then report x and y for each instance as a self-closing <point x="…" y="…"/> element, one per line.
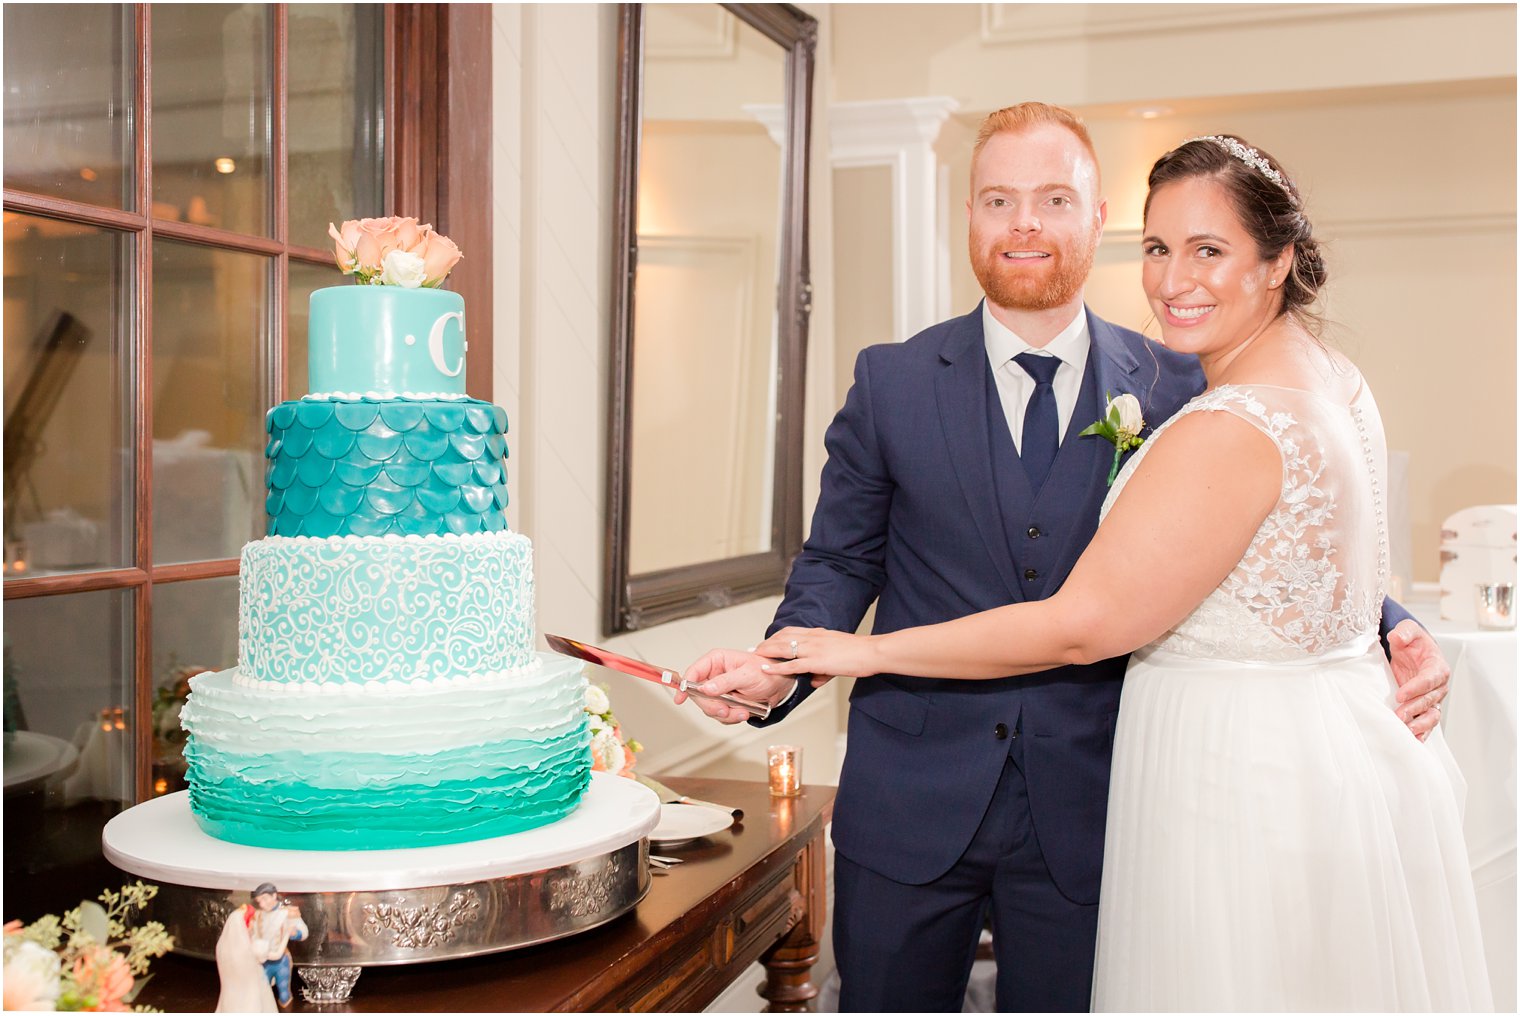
<point x="373" y="609"/>
<point x="386" y="339"/>
<point x="372" y="771"/>
<point x="372" y="466"/>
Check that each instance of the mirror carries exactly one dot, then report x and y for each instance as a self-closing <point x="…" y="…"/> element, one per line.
<point x="710" y="307"/>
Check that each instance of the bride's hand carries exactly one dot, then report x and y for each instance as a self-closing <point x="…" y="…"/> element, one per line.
<point x="797" y="651"/>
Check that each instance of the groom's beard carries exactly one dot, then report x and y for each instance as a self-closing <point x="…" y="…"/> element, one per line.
<point x="1009" y="285"/>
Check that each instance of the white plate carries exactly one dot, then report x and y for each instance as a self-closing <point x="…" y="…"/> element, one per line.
<point x="682" y="822"/>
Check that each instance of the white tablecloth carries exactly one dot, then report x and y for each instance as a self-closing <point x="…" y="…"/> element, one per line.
<point x="1478" y="718"/>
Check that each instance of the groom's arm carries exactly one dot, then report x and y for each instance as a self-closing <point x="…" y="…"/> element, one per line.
<point x="840" y="571"/>
<point x="1418" y="666"/>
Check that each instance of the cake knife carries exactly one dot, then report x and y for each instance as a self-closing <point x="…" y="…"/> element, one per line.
<point x="649" y="672"/>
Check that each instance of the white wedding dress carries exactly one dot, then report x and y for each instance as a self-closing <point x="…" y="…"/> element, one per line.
<point x="1277" y="838"/>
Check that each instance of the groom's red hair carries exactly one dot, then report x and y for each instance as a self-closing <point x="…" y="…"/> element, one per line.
<point x="1021" y="117"/>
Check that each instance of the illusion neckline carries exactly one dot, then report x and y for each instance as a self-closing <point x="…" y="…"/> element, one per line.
<point x="1351" y="406"/>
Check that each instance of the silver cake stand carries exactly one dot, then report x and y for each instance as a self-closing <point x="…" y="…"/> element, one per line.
<point x="383" y="907"/>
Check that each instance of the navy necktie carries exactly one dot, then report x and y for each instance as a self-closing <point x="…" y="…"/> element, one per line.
<point x="1037" y="450"/>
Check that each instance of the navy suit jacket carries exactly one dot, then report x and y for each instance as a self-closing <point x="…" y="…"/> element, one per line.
<point x="925" y="508"/>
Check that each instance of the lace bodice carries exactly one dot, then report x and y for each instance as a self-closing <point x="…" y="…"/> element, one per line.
<point x="1313" y="577"/>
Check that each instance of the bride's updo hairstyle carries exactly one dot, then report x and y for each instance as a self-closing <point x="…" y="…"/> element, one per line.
<point x="1267" y="202"/>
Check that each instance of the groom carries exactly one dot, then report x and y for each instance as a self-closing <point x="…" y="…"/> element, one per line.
<point x="950" y="489"/>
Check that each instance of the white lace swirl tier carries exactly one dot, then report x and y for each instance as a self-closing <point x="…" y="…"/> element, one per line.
<point x="352" y="610"/>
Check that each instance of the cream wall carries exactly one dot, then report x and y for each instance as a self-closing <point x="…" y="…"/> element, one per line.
<point x="553" y="94"/>
<point x="1404" y="143"/>
<point x="1409" y="167"/>
<point x="988" y="55"/>
<point x="863" y="276"/>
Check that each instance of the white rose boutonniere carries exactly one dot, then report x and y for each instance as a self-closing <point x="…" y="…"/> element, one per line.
<point x="1121" y="425"/>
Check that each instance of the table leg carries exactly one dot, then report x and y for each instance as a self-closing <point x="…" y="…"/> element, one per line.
<point x="789" y="963"/>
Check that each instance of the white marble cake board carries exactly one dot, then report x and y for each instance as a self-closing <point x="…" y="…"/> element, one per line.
<point x="159" y="840"/>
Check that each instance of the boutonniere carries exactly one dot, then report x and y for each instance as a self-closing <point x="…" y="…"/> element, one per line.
<point x="1121" y="425"/>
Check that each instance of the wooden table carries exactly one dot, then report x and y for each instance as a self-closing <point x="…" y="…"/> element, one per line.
<point x="755" y="891"/>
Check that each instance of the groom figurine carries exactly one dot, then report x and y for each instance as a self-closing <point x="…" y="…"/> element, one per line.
<point x="957" y="481"/>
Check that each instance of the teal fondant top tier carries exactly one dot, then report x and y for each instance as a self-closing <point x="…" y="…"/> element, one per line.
<point x="386" y="340"/>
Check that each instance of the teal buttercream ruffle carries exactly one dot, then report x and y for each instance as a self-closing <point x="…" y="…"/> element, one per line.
<point x="371" y="466"/>
<point x="374" y="801"/>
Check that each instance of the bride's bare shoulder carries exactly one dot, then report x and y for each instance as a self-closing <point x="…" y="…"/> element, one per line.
<point x="1300" y="360"/>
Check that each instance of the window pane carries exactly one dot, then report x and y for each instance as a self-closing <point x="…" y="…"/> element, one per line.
<point x="333" y="127"/>
<point x="211" y="114"/>
<point x="68" y="744"/>
<point x="210" y="364"/>
<point x="68" y="101"/>
<point x="194" y="629"/>
<point x="305" y="279"/>
<point x="68" y="448"/>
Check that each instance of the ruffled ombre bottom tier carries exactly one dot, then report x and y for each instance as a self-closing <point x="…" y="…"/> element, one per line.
<point x="374" y="769"/>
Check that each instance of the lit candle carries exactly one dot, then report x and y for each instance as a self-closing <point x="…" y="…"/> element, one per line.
<point x="785" y="765"/>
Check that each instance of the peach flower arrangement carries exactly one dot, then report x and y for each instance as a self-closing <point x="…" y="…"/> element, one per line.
<point x="611" y="750"/>
<point x="393" y="251"/>
<point x="72" y="963"/>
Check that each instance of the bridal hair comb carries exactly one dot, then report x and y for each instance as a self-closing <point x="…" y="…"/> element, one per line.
<point x="1245" y="153"/>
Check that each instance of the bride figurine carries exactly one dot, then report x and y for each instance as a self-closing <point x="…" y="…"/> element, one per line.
<point x="253" y="953"/>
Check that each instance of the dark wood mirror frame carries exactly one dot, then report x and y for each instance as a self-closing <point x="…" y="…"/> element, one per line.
<point x="650" y="598"/>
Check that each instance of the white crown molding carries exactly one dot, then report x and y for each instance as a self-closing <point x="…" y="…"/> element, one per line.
<point x="900" y="134"/>
<point x="1331" y="230"/>
<point x="887" y="124"/>
<point x="771" y="116"/>
<point x="1430" y="225"/>
<point x="1000" y="26"/>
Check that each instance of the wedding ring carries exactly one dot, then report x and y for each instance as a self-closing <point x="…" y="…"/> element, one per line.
<point x="793" y="645"/>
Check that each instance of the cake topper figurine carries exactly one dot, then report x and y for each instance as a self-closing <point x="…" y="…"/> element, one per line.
<point x="253" y="954"/>
<point x="244" y="985"/>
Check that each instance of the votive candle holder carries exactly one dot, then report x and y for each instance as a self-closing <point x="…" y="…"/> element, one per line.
<point x="1496" y="605"/>
<point x="784" y="761"/>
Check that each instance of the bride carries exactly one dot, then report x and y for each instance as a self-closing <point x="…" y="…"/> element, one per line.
<point x="1276" y="840"/>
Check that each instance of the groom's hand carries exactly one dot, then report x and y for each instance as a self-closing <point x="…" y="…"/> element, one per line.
<point x="1422" y="674"/>
<point x="734" y="671"/>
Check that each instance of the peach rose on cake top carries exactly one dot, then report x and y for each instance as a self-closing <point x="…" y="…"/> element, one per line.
<point x="393" y="251"/>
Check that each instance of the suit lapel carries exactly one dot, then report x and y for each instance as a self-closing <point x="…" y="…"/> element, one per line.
<point x="961" y="390"/>
<point x="1079" y="476"/>
<point x="1114" y="368"/>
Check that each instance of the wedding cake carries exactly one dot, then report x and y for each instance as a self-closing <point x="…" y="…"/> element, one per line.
<point x="387" y="692"/>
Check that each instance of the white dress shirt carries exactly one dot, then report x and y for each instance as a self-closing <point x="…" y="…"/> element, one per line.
<point x="1014" y="386"/>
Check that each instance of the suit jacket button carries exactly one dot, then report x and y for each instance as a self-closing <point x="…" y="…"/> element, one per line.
<point x="1030" y="573"/>
<point x="1000" y="731"/>
<point x="1034" y="532"/>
